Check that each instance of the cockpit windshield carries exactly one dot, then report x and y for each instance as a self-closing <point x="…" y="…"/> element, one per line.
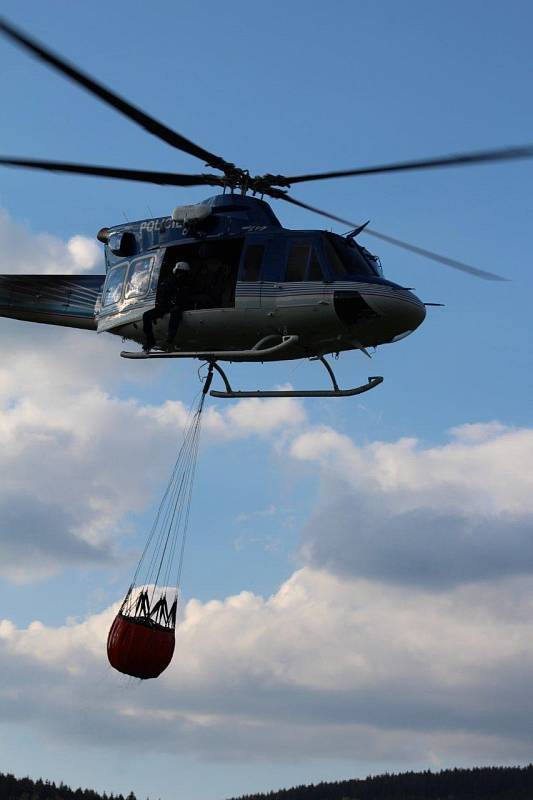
<point x="346" y="258"/>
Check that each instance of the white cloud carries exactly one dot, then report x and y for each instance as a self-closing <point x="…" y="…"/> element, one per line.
<point x="64" y="432"/>
<point x="325" y="667"/>
<point x="237" y="420"/>
<point x="88" y="452"/>
<point x="429" y="515"/>
<point x="478" y="432"/>
<point x="74" y="451"/>
<point x="485" y="469"/>
<point x="373" y="662"/>
<point x="26" y="252"/>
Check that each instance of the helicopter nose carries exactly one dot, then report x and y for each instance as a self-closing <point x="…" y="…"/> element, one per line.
<point x="400" y="310"/>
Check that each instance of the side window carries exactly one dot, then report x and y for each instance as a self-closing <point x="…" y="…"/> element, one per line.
<point x="138" y="278"/>
<point x="253" y="261"/>
<point x="297" y="262"/>
<point x="113" y="285"/>
<point x="315" y="270"/>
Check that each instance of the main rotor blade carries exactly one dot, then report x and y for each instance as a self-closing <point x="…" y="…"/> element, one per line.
<point x="114" y="100"/>
<point x="142" y="175"/>
<point x="459" y="159"/>
<point x="412" y="248"/>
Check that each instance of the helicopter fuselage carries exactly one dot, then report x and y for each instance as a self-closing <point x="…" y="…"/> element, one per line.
<point x="252" y="279"/>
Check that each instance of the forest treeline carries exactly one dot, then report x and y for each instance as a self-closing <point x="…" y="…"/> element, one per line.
<point x="479" y="783"/>
<point x="12" y="788"/>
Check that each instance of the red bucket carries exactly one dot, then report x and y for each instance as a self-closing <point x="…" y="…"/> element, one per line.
<point x="139" y="647"/>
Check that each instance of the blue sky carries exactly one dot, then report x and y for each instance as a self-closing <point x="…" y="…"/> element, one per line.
<point x="310" y="509"/>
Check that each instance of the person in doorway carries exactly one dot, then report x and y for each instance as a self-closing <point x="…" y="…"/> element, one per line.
<point x="173" y="296"/>
<point x="181" y="299"/>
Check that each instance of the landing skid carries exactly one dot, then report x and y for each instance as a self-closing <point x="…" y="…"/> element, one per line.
<point x="335" y="392"/>
<point x="262" y="351"/>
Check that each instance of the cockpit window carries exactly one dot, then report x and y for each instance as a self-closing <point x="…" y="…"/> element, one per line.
<point x="346" y="258"/>
<point x="335" y="262"/>
<point x="113" y="286"/>
<point x="374" y="260"/>
<point x="138" y="278"/>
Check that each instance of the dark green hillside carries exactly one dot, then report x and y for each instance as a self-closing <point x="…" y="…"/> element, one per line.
<point x="12" y="788"/>
<point x="483" y="783"/>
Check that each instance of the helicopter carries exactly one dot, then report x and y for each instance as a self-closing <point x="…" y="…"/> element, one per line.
<point x="259" y="292"/>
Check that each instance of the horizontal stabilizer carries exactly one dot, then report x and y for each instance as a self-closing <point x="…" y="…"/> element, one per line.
<point x="68" y="300"/>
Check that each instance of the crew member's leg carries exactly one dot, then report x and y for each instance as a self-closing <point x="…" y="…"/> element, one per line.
<point x="173" y="324"/>
<point x="149" y="317"/>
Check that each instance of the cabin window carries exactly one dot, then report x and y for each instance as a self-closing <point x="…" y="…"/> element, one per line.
<point x="253" y="261"/>
<point x="138" y="278"/>
<point x="113" y="287"/>
<point x="297" y="262"/>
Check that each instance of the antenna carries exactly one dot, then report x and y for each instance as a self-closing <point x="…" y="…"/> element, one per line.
<point x="356" y="231"/>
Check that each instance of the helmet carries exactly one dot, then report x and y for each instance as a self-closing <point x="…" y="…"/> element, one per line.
<point x="181" y="266"/>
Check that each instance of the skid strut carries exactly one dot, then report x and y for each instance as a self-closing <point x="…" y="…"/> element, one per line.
<point x="266" y="348"/>
<point x="269" y="348"/>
